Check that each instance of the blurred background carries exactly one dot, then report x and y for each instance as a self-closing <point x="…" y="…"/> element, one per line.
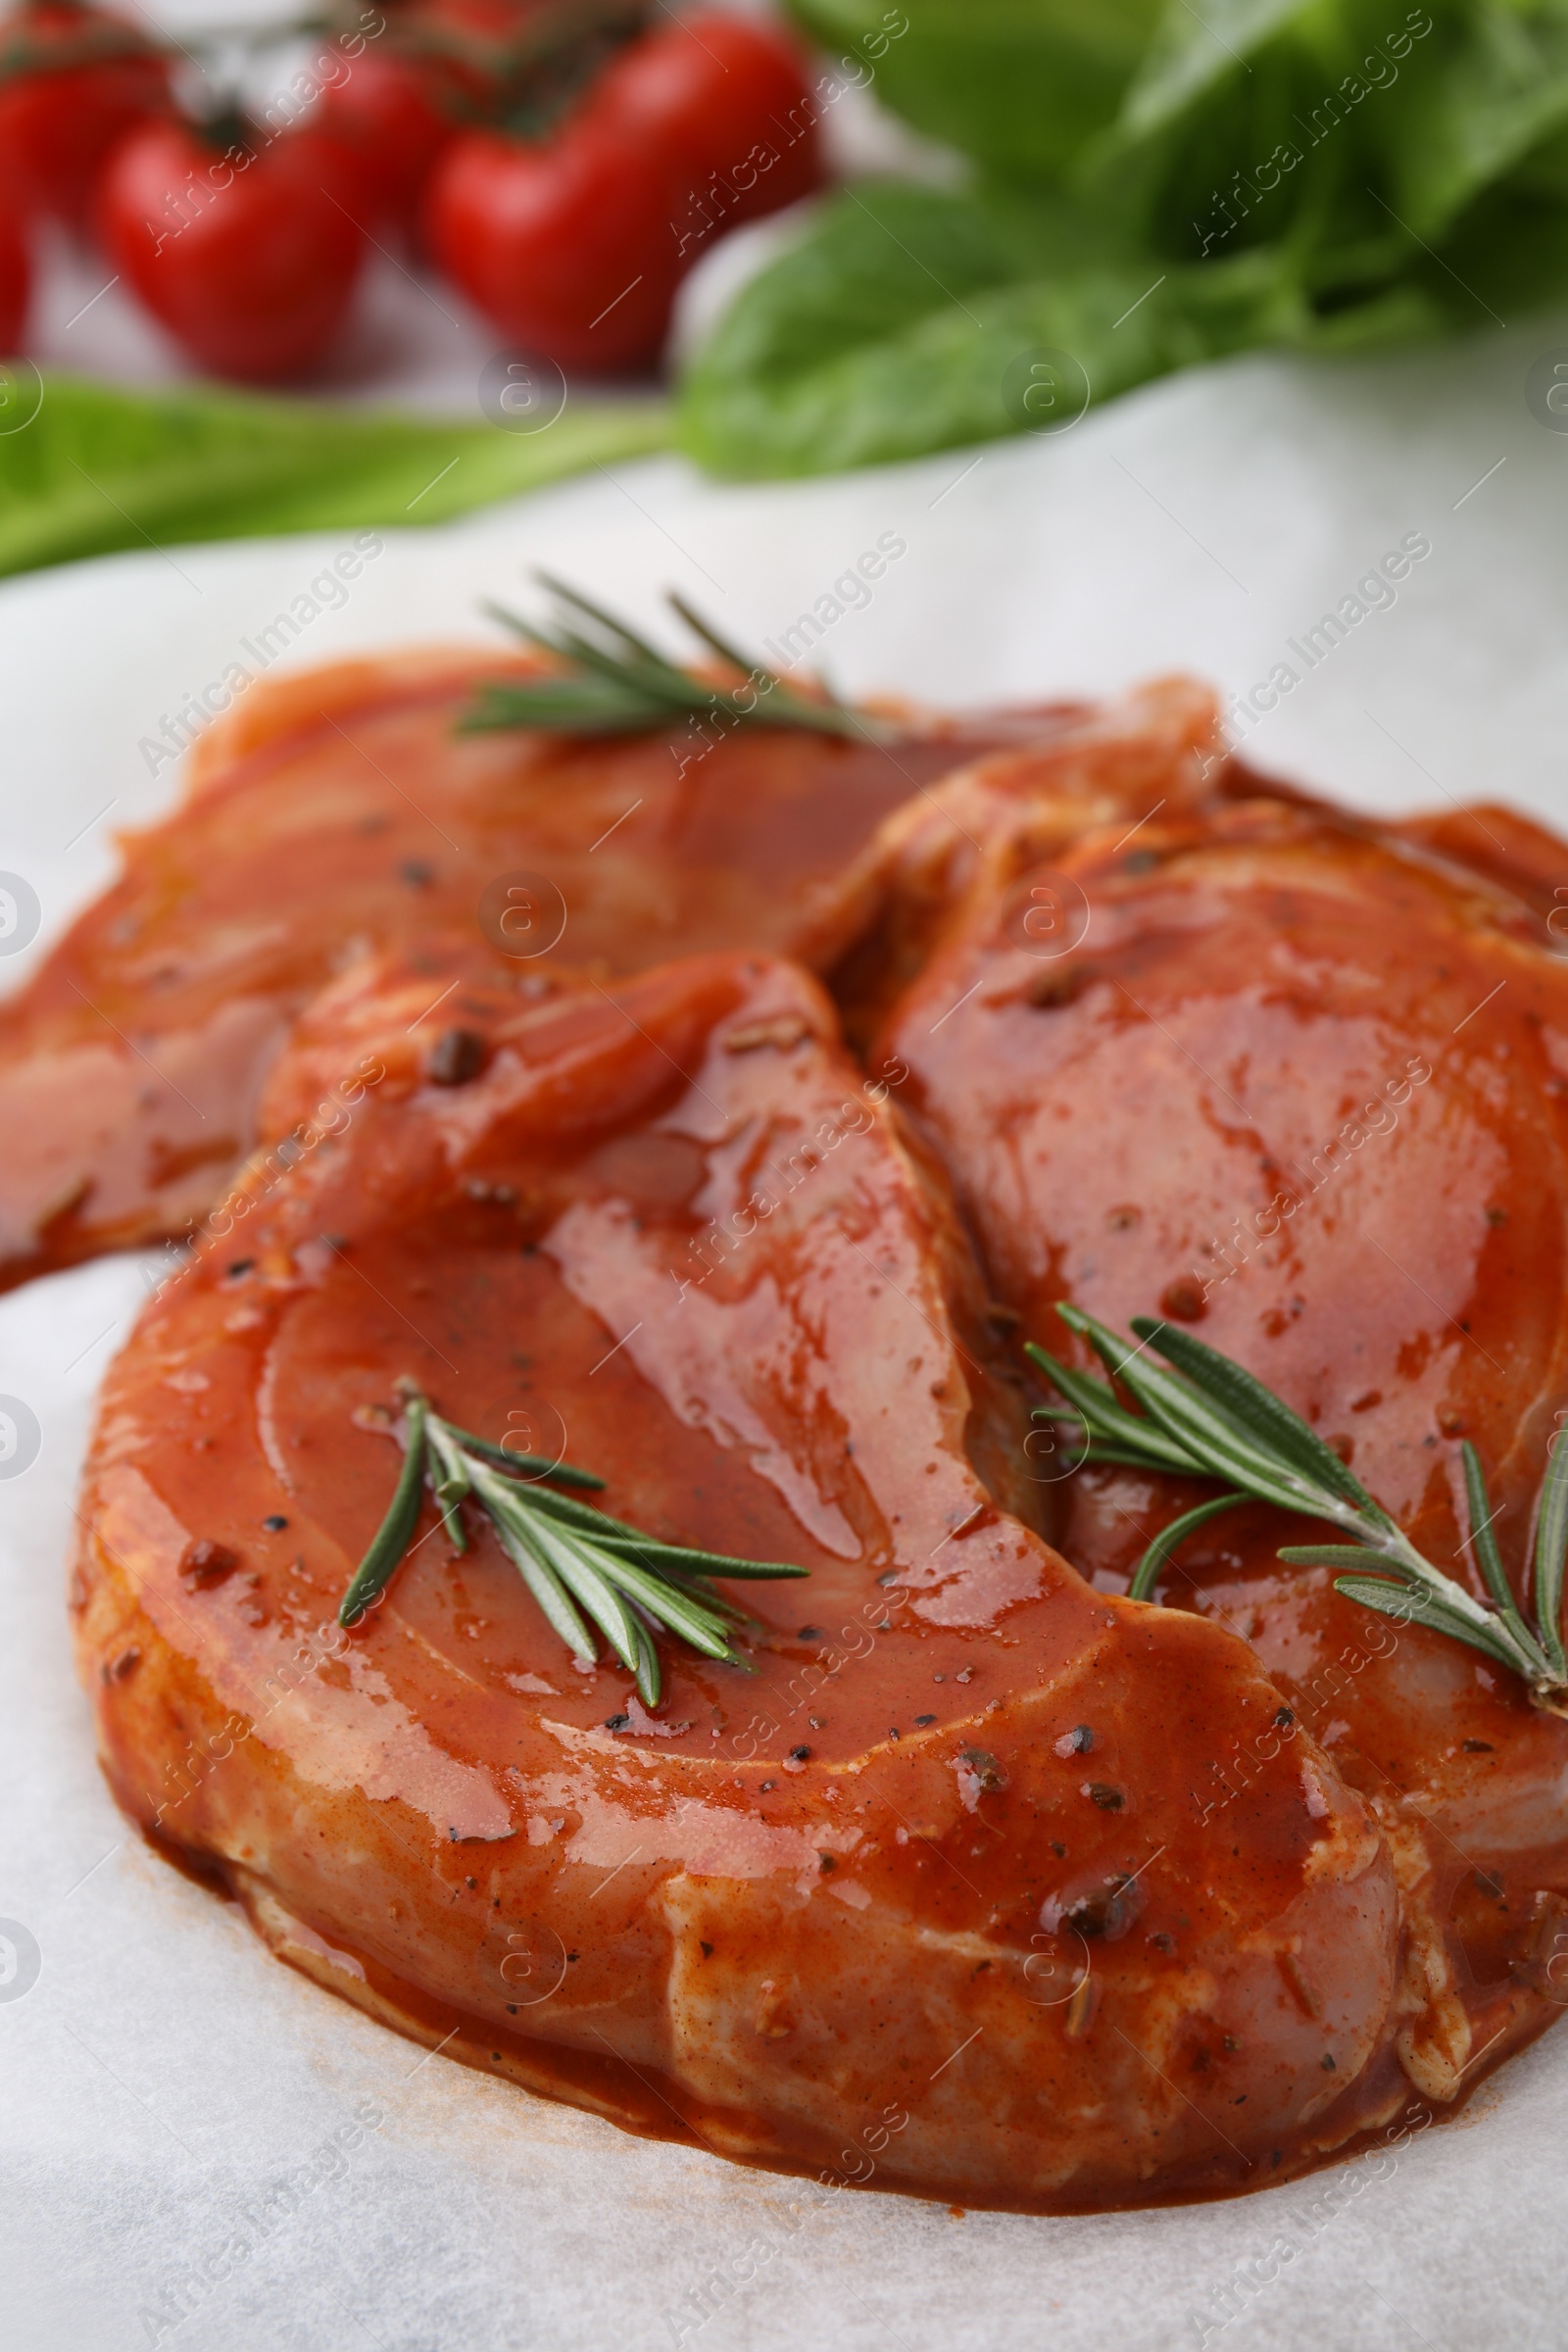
<point x="594" y="143"/>
<point x="277" y="269"/>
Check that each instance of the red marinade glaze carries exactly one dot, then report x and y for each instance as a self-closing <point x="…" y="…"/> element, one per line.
<point x="338" y="810"/>
<point x="1301" y="1087"/>
<point x="932" y="1883"/>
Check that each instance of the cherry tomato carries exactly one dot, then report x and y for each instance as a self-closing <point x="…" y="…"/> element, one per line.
<point x="729" y="104"/>
<point x="485" y="56"/>
<point x="15" y="280"/>
<point x="249" y="258"/>
<point x="565" y="244"/>
<point x="386" y="110"/>
<point x="72" y="81"/>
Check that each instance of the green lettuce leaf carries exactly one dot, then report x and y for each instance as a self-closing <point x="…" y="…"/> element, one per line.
<point x="97" y="470"/>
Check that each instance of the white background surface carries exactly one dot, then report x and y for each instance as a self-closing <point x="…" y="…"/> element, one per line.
<point x="162" y="2071"/>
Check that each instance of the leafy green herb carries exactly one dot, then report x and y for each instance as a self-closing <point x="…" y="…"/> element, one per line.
<point x="1209" y="1418"/>
<point x="1152" y="185"/>
<point x="614" y="682"/>
<point x="906" y="318"/>
<point x="1170" y="1540"/>
<point x="580" y="1565"/>
<point x="1019" y="85"/>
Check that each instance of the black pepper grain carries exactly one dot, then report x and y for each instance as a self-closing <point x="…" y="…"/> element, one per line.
<point x="457" y="1056"/>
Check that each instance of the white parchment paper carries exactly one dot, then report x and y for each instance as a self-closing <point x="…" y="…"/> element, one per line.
<point x="173" y="2097"/>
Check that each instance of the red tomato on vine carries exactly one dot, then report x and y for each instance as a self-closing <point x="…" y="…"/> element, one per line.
<point x="489" y="60"/>
<point x="386" y="110"/>
<point x="563" y="244"/>
<point x="728" y="106"/>
<point x="16" y="281"/>
<point x="572" y="244"/>
<point x="72" y="81"/>
<point x="247" y="254"/>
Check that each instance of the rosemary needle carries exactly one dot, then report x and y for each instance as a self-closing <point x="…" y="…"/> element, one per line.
<point x="583" y="1568"/>
<point x="611" y="681"/>
<point x="1209" y="1418"/>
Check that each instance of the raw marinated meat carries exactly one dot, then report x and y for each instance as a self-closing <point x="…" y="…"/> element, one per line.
<point x="1299" y="1083"/>
<point x="337" y="811"/>
<point x="925" y="1898"/>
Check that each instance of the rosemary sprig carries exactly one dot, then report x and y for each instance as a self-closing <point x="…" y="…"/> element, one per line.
<point x="616" y="683"/>
<point x="578" y="1563"/>
<point x="1208" y="1418"/>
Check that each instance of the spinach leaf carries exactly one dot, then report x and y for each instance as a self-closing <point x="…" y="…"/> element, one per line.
<point x="1019" y="85"/>
<point x="905" y="320"/>
<point x="1378" y="116"/>
<point x="1192" y="55"/>
<point x="1304" y="174"/>
<point x="1496" y="90"/>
